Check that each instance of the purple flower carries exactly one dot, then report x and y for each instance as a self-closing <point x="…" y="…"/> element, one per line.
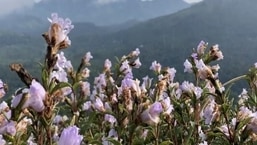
<point x="188" y="66"/>
<point x="171" y="72"/>
<point x="37" y="95"/>
<point x="70" y="136"/>
<point x="110" y="118"/>
<point x="201" y="48"/>
<point x="107" y="64"/>
<point x="125" y="67"/>
<point x="87" y="57"/>
<point x="2" y="91"/>
<point x="60" y="75"/>
<point x="135" y="52"/>
<point x="156" y="67"/>
<point x="8" y="127"/>
<point x="59" y="29"/>
<point x="151" y="115"/>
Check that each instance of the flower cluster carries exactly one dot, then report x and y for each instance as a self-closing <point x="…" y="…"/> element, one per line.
<point x="64" y="108"/>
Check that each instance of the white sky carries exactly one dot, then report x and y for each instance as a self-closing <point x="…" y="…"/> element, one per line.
<point x="192" y="1"/>
<point x="8" y="6"/>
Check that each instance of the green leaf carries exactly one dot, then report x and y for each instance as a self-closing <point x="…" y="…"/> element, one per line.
<point x="113" y="141"/>
<point x="166" y="142"/>
<point x="60" y="86"/>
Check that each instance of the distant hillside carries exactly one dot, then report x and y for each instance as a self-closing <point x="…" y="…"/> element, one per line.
<point x="107" y="14"/>
<point x="170" y="39"/>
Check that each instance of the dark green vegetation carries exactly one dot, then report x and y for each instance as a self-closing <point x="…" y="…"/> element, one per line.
<point x="168" y="39"/>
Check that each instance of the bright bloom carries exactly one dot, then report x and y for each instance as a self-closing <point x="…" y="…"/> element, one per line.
<point x="151" y="115"/>
<point x="37" y="95"/>
<point x="137" y="63"/>
<point x="156" y="67"/>
<point x="2" y="91"/>
<point x="59" y="30"/>
<point x="125" y="67"/>
<point x="62" y="62"/>
<point x="107" y="64"/>
<point x="87" y="105"/>
<point x="98" y="104"/>
<point x="198" y="92"/>
<point x="2" y="141"/>
<point x="70" y="136"/>
<point x="87" y="58"/>
<point x="187" y="87"/>
<point x="188" y="66"/>
<point x="135" y="52"/>
<point x="210" y="112"/>
<point x="203" y="70"/>
<point x="201" y="48"/>
<point x="34" y="97"/>
<point x="110" y="118"/>
<point x="60" y="75"/>
<point x="215" y="53"/>
<point x="9" y="128"/>
<point x="171" y="72"/>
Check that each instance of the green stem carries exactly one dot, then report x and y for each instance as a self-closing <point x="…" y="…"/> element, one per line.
<point x="235" y="79"/>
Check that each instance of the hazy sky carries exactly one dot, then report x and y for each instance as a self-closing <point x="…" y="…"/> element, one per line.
<point x="8" y="6"/>
<point x="192" y="1"/>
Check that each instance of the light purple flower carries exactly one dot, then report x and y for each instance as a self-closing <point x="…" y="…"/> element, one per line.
<point x="203" y="70"/>
<point x="60" y="75"/>
<point x="137" y="63"/>
<point x="209" y="113"/>
<point x="151" y="115"/>
<point x="85" y="88"/>
<point x="59" y="29"/>
<point x="2" y="91"/>
<point x="112" y="134"/>
<point x="2" y="141"/>
<point x="100" y="81"/>
<point x="87" y="58"/>
<point x="216" y="53"/>
<point x="135" y="52"/>
<point x="171" y="72"/>
<point x="201" y="48"/>
<point x="4" y="108"/>
<point x="107" y="64"/>
<point x="125" y="67"/>
<point x="70" y="136"/>
<point x="37" y="95"/>
<point x="167" y="106"/>
<point x="8" y="127"/>
<point x="85" y="73"/>
<point x="198" y="92"/>
<point x="98" y="104"/>
<point x="156" y="67"/>
<point x="188" y="66"/>
<point x="86" y="106"/>
<point x="187" y="87"/>
<point x="110" y="118"/>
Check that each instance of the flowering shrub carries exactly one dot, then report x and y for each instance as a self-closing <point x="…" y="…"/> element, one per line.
<point x="63" y="108"/>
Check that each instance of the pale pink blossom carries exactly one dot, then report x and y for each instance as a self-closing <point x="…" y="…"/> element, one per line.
<point x="136" y="52"/>
<point x="87" y="57"/>
<point x="156" y="67"/>
<point x="107" y="64"/>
